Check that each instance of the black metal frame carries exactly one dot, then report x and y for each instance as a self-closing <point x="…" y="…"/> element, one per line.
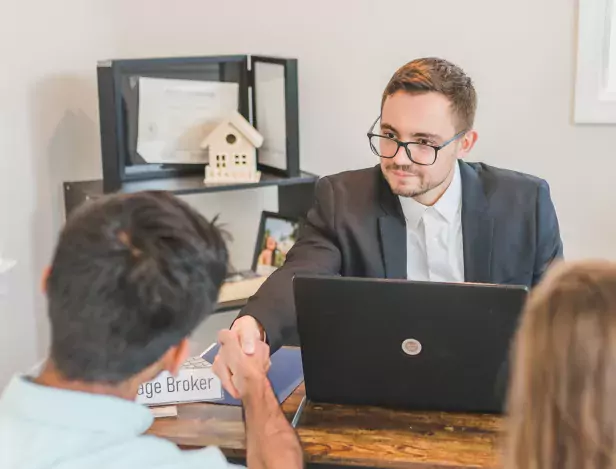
<point x="235" y="68"/>
<point x="291" y="114"/>
<point x="113" y="125"/>
<point x="405" y="145"/>
<point x="295" y="195"/>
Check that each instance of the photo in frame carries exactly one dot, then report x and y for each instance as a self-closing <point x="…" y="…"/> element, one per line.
<point x="277" y="235"/>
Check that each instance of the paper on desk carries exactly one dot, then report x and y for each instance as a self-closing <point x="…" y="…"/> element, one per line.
<point x="240" y="290"/>
<point x="164" y="411"/>
<point x="176" y="115"/>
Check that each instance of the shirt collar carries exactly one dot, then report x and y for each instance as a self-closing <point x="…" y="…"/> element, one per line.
<point x="448" y="206"/>
<point x="450" y="202"/>
<point x="413" y="211"/>
<point x="25" y="399"/>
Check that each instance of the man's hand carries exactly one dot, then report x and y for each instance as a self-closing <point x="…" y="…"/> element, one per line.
<point x="250" y="333"/>
<point x="271" y="443"/>
<point x="238" y="371"/>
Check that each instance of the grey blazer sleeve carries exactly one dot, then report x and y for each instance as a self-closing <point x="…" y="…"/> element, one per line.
<point x="549" y="244"/>
<point x="316" y="251"/>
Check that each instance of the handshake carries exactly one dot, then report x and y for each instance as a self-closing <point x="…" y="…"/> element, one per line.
<point x="242" y="364"/>
<point x="243" y="360"/>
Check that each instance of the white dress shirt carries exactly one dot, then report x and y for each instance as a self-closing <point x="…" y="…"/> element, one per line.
<point x="434" y="236"/>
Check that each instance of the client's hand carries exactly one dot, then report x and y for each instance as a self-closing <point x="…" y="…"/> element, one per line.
<point x="238" y="370"/>
<point x="249" y="332"/>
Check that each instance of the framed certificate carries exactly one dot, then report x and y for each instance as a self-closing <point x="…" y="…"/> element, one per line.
<point x="155" y="112"/>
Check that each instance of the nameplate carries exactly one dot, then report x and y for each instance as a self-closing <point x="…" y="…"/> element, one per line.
<point x="195" y="382"/>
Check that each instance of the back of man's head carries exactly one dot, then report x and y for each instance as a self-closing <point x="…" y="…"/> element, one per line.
<point x="132" y="276"/>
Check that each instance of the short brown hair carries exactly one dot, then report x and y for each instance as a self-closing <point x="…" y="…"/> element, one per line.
<point x="440" y="76"/>
<point x="562" y="399"/>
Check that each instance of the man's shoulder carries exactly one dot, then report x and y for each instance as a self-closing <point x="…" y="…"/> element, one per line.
<point x="504" y="178"/>
<point x="98" y="450"/>
<point x="351" y="192"/>
<point x="358" y="179"/>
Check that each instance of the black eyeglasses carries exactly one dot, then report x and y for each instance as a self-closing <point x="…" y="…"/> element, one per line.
<point x="422" y="153"/>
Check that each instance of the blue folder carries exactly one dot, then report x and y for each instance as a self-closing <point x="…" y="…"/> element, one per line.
<point x="285" y="374"/>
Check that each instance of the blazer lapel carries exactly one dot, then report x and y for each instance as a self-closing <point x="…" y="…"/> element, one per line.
<point x="393" y="246"/>
<point x="392" y="231"/>
<point x="477" y="227"/>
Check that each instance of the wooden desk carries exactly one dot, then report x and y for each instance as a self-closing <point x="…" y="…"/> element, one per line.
<point x="340" y="436"/>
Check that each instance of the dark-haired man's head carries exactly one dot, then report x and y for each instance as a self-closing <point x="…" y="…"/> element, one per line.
<point x="131" y="278"/>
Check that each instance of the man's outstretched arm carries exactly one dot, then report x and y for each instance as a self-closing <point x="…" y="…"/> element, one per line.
<point x="271" y="442"/>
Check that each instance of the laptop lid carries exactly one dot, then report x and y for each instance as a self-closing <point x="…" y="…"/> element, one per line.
<point x="413" y="345"/>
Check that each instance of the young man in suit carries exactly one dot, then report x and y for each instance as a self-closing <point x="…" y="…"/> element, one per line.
<point x="423" y="213"/>
<point x="132" y="276"/>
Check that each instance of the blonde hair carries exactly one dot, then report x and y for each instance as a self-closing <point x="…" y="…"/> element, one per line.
<point x="562" y="398"/>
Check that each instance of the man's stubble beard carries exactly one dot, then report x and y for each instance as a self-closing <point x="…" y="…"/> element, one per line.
<point x="409" y="193"/>
<point x="401" y="191"/>
<point x="421" y="190"/>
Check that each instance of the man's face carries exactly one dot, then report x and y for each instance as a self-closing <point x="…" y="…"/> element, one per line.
<point x="423" y="118"/>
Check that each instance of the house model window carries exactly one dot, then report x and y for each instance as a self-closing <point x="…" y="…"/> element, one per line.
<point x="232" y="151"/>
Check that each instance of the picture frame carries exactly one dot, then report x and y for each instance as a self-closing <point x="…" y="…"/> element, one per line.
<point x="274" y="228"/>
<point x="119" y="104"/>
<point x="275" y="101"/>
<point x="118" y="94"/>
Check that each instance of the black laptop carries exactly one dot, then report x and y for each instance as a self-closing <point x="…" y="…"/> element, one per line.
<point x="405" y="344"/>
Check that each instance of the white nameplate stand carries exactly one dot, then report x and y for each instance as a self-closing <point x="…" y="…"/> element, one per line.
<point x="195" y="382"/>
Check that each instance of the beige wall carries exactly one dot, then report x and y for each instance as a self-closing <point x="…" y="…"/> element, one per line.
<point x="48" y="133"/>
<point x="521" y="55"/>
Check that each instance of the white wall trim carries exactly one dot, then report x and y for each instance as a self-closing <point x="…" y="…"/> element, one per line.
<point x="593" y="103"/>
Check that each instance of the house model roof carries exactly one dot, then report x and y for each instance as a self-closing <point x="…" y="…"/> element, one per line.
<point x="236" y="120"/>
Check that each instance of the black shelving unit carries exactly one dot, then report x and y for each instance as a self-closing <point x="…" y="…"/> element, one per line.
<point x="295" y="194"/>
<point x="124" y="171"/>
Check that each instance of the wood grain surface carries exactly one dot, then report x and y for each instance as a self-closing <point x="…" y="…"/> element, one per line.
<point x="350" y="436"/>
